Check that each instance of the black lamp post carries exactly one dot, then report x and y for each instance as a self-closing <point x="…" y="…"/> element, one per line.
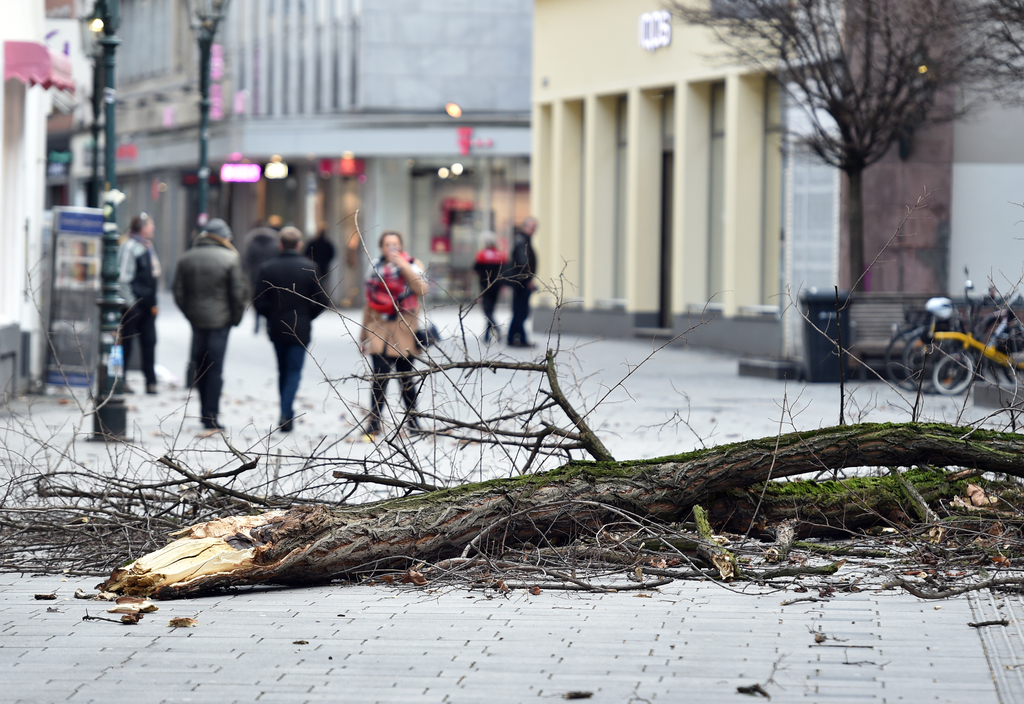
<point x="206" y="16"/>
<point x="110" y="419"/>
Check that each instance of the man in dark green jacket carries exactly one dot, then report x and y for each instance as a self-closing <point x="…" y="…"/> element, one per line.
<point x="211" y="290"/>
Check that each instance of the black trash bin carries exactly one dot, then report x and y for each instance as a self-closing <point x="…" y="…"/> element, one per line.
<point x="821" y="334"/>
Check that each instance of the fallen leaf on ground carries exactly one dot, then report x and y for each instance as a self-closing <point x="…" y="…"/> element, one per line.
<point x="578" y="695"/>
<point x="131" y="619"/>
<point x="300" y="642"/>
<point x="415" y="577"/>
<point x="133" y="605"/>
<point x="46" y="597"/>
<point x="535" y="590"/>
<point x="182" y="622"/>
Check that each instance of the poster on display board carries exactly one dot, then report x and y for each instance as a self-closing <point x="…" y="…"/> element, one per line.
<point x="77" y="248"/>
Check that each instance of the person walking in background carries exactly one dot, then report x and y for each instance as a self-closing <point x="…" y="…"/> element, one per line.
<point x="321" y="252"/>
<point x="261" y="245"/>
<point x="137" y="281"/>
<point x="489" y="264"/>
<point x="521" y="271"/>
<point x="393" y="289"/>
<point x="289" y="295"/>
<point x="210" y="289"/>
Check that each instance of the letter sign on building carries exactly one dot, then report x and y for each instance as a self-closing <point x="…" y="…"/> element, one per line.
<point x="655" y="29"/>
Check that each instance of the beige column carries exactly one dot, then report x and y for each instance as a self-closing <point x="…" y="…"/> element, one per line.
<point x="541" y="198"/>
<point x="744" y="175"/>
<point x="562" y="234"/>
<point x="643" y="200"/>
<point x="693" y="166"/>
<point x="599" y="198"/>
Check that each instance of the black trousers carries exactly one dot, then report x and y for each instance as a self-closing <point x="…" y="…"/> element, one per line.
<point x="520" y="312"/>
<point x="206" y="368"/>
<point x="488" y="301"/>
<point x="382" y="366"/>
<point x="138" y="324"/>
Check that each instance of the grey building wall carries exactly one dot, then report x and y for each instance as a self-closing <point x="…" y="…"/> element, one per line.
<point x="422" y="54"/>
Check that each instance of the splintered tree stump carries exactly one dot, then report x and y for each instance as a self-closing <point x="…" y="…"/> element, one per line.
<point x="313" y="544"/>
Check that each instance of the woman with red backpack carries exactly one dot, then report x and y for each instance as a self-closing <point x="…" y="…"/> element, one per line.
<point x="394" y="286"/>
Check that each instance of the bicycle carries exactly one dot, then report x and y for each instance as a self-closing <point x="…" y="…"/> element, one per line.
<point x="965" y="357"/>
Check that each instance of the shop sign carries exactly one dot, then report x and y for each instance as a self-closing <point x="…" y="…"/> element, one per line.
<point x="58" y="164"/>
<point x="655" y="29"/>
<point x="240" y="173"/>
<point x="465" y="140"/>
<point x="127" y="152"/>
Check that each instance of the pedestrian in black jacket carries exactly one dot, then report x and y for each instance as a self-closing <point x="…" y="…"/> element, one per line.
<point x="139" y="271"/>
<point x="290" y="296"/>
<point x="522" y="269"/>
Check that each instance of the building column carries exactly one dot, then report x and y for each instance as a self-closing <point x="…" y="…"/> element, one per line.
<point x="692" y="193"/>
<point x="541" y="198"/>
<point x="744" y="176"/>
<point x="643" y="200"/>
<point x="598" y="198"/>
<point x="563" y="232"/>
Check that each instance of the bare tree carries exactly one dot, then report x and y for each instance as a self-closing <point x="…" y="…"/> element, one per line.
<point x="867" y="72"/>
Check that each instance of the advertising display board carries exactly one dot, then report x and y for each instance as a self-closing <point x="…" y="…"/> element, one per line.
<point x="77" y="249"/>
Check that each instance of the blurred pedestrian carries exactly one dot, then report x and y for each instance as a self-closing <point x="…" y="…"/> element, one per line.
<point x="393" y="289"/>
<point x="519" y="278"/>
<point x="210" y="288"/>
<point x="321" y="251"/>
<point x="139" y="274"/>
<point x="261" y="245"/>
<point x="489" y="265"/>
<point x="289" y="295"/>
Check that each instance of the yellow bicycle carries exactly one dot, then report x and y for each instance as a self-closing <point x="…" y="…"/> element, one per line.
<point x="964" y="357"/>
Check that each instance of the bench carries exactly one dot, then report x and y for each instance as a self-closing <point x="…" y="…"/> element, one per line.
<point x="874" y="316"/>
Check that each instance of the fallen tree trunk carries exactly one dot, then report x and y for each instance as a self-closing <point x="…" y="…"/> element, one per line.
<point x="312" y="544"/>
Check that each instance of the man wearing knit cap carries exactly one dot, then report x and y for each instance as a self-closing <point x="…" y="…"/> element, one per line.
<point x="211" y="290"/>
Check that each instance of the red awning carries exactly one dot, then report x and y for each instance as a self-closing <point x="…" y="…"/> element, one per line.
<point x="34" y="64"/>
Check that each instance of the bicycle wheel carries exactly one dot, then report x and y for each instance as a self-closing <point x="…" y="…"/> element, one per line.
<point x="953" y="372"/>
<point x="916" y="354"/>
<point x="896" y="371"/>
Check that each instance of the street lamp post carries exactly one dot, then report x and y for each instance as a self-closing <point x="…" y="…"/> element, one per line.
<point x="110" y="419"/>
<point x="206" y="16"/>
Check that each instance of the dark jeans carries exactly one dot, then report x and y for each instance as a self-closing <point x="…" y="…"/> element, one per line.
<point x="488" y="300"/>
<point x="290" y="357"/>
<point x="520" y="312"/>
<point x="386" y="365"/>
<point x="206" y="368"/>
<point x="138" y="324"/>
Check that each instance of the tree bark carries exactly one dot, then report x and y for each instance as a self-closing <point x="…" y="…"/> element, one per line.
<point x="312" y="544"/>
<point x="855" y="221"/>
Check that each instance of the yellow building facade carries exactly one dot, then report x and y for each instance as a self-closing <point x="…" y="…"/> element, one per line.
<point x="656" y="177"/>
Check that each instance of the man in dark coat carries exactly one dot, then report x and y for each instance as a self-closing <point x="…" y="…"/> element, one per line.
<point x="290" y="296"/>
<point x="210" y="288"/>
<point x="261" y="245"/>
<point x="321" y="251"/>
<point x="522" y="269"/>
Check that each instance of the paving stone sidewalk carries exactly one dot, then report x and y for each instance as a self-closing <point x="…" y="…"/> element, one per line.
<point x="688" y="642"/>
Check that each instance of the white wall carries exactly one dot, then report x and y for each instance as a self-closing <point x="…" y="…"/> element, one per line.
<point x="988" y="226"/>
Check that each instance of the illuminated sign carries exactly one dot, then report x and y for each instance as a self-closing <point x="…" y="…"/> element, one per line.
<point x="276" y="169"/>
<point x="655" y="29"/>
<point x="240" y="173"/>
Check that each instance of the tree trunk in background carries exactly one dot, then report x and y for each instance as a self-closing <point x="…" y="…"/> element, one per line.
<point x="855" y="221"/>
